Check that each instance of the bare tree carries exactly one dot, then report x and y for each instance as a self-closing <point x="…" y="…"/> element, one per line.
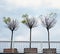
<point x="48" y="22"/>
<point x="30" y="23"/>
<point x="12" y="25"/>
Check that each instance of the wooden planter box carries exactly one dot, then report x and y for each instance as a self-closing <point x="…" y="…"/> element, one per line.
<point x="10" y="50"/>
<point x="30" y="50"/>
<point x="49" y="51"/>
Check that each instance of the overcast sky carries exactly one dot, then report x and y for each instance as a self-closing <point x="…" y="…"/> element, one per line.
<point x="16" y="8"/>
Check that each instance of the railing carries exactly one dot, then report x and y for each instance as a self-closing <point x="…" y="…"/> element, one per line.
<point x="20" y="45"/>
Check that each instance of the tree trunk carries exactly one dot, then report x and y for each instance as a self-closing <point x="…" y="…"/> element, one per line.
<point x="11" y="39"/>
<point x="30" y="38"/>
<point x="48" y="40"/>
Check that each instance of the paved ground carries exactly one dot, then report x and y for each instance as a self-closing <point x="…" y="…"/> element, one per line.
<point x="20" y="53"/>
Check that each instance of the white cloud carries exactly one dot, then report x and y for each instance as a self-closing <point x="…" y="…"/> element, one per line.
<point x="37" y="35"/>
<point x="52" y="3"/>
<point x="21" y="38"/>
<point x="34" y="3"/>
<point x="10" y="5"/>
<point x="25" y="3"/>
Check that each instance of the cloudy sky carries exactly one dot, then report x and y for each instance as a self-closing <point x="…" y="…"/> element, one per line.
<point x="16" y="8"/>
